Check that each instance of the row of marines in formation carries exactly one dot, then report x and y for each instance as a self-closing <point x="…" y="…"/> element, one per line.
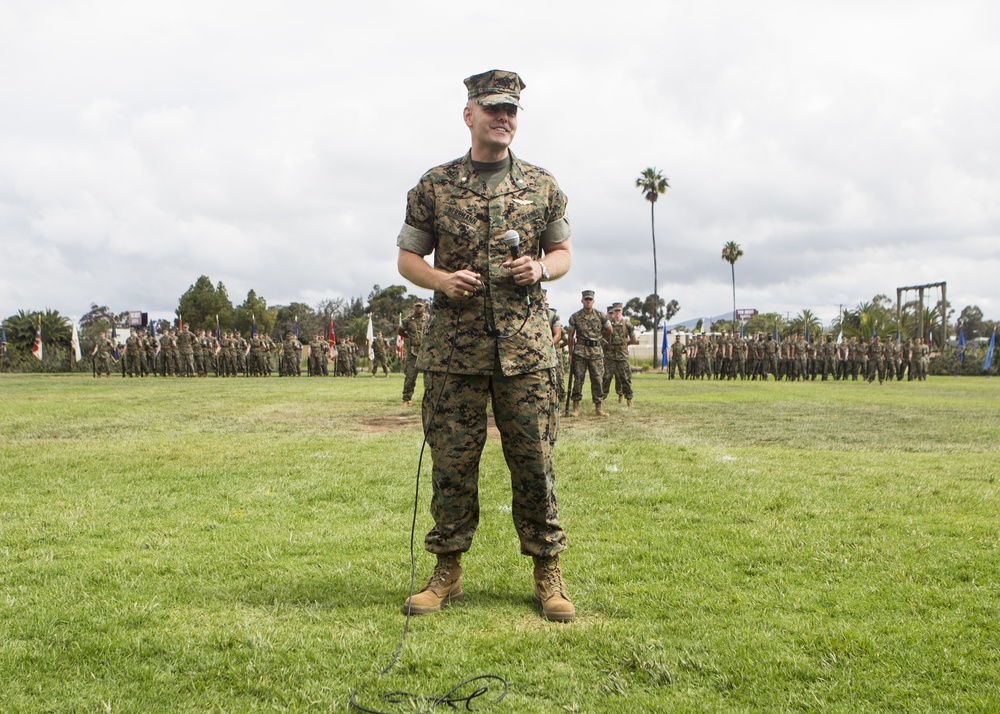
<point x="794" y="358"/>
<point x="183" y="353"/>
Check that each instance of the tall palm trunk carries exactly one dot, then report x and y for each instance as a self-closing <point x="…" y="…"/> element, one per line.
<point x="732" y="267"/>
<point x="657" y="359"/>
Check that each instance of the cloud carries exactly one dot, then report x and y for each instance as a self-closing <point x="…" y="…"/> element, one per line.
<point x="849" y="148"/>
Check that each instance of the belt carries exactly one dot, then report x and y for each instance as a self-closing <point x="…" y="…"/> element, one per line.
<point x="588" y="342"/>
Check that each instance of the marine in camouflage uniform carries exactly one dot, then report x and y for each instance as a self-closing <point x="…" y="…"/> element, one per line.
<point x="676" y="362"/>
<point x="558" y="342"/>
<point x="616" y="357"/>
<point x="185" y="348"/>
<point x="381" y="355"/>
<point x="132" y="349"/>
<point x="586" y="329"/>
<point x="488" y="339"/>
<point x="289" y="354"/>
<point x="412" y="331"/>
<point x="876" y="360"/>
<point x="240" y="346"/>
<point x="103" y="355"/>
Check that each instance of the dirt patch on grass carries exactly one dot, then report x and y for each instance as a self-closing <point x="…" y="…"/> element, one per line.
<point x="380" y="424"/>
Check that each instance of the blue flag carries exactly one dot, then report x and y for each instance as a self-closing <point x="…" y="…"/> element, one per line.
<point x="874" y="332"/>
<point x="989" y="352"/>
<point x="114" y="342"/>
<point x="807" y="332"/>
<point x="776" y="332"/>
<point x="152" y="329"/>
<point x="3" y="343"/>
<point x="663" y="349"/>
<point x="253" y="326"/>
<point x="741" y="330"/>
<point x="961" y="345"/>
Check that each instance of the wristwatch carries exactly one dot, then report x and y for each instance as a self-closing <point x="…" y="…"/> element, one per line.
<point x="545" y="271"/>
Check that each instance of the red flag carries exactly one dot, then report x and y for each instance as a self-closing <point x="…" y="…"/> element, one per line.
<point x="399" y="341"/>
<point x="332" y="340"/>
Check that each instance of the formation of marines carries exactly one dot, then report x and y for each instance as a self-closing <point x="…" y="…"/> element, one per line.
<point x="180" y="352"/>
<point x="729" y="356"/>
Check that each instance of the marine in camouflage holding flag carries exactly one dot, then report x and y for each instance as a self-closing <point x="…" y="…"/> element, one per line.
<point x="488" y="339"/>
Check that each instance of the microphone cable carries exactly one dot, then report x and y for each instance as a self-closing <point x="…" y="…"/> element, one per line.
<point x="449" y="697"/>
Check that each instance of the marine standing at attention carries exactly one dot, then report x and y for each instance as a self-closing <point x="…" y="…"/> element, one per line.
<point x="412" y="331"/>
<point x="586" y="328"/>
<point x="489" y="339"/>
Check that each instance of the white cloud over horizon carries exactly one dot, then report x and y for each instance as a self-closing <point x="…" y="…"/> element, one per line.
<point x="850" y="149"/>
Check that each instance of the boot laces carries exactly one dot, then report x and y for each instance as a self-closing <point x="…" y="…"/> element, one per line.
<point x="440" y="574"/>
<point x="553" y="576"/>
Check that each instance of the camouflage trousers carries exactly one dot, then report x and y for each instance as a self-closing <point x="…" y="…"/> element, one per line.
<point x="583" y="366"/>
<point x="409" y="375"/>
<point x="380" y="363"/>
<point x="674" y="365"/>
<point x="187" y="364"/>
<point x="621" y="372"/>
<point x="526" y="412"/>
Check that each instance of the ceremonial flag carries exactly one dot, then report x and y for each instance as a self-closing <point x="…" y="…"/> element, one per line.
<point x="114" y="342"/>
<point x="253" y="326"/>
<point x="370" y="335"/>
<point x="296" y="327"/>
<point x="3" y="342"/>
<point x="663" y="348"/>
<point x="331" y="339"/>
<point x="989" y="351"/>
<point x="961" y="345"/>
<point x="874" y="333"/>
<point x="930" y="337"/>
<point x="74" y="342"/>
<point x="218" y="330"/>
<point x="399" y="340"/>
<point x="840" y="335"/>
<point x="36" y="349"/>
<point x="152" y="329"/>
<point x="807" y="332"/>
<point x="776" y="332"/>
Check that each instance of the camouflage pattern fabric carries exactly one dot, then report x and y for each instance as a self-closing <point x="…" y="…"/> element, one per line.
<point x="588" y="356"/>
<point x="526" y="411"/>
<point x="453" y="213"/>
<point x="494" y="348"/>
<point x="413" y="329"/>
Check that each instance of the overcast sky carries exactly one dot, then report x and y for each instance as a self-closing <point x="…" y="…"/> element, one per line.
<point x="849" y="147"/>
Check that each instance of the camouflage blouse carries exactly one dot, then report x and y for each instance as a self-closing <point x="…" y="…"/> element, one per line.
<point x="454" y="214"/>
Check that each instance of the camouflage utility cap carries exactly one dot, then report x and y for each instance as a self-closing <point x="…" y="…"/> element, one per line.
<point x="495" y="87"/>
<point x="588" y="294"/>
<point x="617" y="306"/>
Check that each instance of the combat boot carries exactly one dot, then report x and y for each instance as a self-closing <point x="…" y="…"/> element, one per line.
<point x="599" y="410"/>
<point x="576" y="409"/>
<point x="443" y="587"/>
<point x="629" y="403"/>
<point x="550" y="591"/>
<point x="620" y="398"/>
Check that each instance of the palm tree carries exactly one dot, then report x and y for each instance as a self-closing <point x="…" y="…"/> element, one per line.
<point x="653" y="184"/>
<point x="731" y="252"/>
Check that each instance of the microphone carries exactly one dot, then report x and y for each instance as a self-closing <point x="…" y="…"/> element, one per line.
<point x="513" y="241"/>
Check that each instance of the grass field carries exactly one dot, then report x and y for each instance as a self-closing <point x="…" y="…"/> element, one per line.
<point x="243" y="546"/>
